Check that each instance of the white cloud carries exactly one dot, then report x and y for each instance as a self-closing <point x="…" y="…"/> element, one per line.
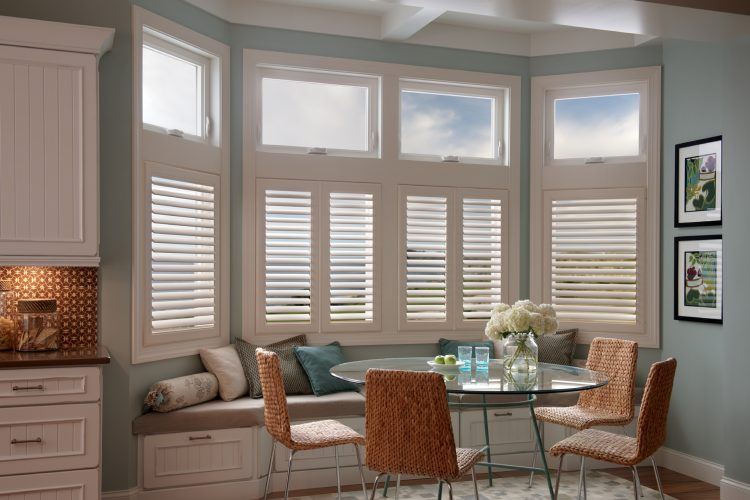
<point x="606" y="136"/>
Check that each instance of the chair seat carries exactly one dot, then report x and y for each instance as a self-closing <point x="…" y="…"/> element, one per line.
<point x="600" y="445"/>
<point x="578" y="417"/>
<point x="322" y="434"/>
<point x="467" y="458"/>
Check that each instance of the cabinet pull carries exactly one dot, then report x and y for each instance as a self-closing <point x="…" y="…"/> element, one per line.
<point x="24" y="441"/>
<point x="506" y="414"/>
<point x="39" y="387"/>
<point x="199" y="438"/>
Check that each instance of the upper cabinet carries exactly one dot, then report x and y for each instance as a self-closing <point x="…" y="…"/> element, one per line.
<point x="49" y="142"/>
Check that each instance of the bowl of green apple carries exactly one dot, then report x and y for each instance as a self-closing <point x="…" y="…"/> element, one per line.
<point x="447" y="363"/>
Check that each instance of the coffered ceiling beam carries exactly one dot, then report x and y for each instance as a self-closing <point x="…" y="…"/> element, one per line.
<point x="401" y="22"/>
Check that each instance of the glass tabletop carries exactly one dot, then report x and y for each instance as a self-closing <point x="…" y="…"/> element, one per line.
<point x="547" y="378"/>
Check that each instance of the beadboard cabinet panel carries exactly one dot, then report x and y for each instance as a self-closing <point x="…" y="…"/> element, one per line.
<point x="48" y="153"/>
<point x="73" y="485"/>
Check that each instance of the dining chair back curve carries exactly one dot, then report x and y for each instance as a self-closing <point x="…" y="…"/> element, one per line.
<point x="275" y="412"/>
<point x="617" y="358"/>
<point x="652" y="421"/>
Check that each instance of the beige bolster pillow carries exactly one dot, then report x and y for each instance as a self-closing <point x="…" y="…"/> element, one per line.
<point x="176" y="393"/>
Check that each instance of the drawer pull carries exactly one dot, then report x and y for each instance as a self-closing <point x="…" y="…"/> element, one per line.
<point x="24" y="441"/>
<point x="199" y="438"/>
<point x="39" y="387"/>
<point x="506" y="414"/>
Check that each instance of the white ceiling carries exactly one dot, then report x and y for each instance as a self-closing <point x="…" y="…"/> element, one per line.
<point x="518" y="27"/>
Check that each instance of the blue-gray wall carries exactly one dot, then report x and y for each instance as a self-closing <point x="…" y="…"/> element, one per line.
<point x="704" y="94"/>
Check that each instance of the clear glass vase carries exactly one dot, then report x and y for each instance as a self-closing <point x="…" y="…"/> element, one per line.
<point x="508" y="348"/>
<point x="525" y="358"/>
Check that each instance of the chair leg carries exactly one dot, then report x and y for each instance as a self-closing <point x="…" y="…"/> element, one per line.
<point x="559" y="472"/>
<point x="635" y="483"/>
<point x="582" y="480"/>
<point x="270" y="468"/>
<point x="474" y="480"/>
<point x="398" y="485"/>
<point x="288" y="474"/>
<point x="385" y="485"/>
<point x="658" y="479"/>
<point x="440" y="489"/>
<point x="338" y="473"/>
<point x="638" y="479"/>
<point x="533" y="463"/>
<point x="361" y="472"/>
<point x="450" y="489"/>
<point x="375" y="485"/>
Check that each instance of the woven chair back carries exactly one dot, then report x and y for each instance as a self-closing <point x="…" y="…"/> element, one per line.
<point x="408" y="424"/>
<point x="652" y="422"/>
<point x="617" y="358"/>
<point x="274" y="398"/>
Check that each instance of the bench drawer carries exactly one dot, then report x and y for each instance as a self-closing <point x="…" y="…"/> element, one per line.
<point x="49" y="438"/>
<point x="72" y="485"/>
<point x="186" y="458"/>
<point x="49" y="386"/>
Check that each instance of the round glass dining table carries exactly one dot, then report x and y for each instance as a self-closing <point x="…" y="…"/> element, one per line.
<point x="493" y="381"/>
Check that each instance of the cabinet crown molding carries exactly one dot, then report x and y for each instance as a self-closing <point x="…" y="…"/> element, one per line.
<point x="51" y="35"/>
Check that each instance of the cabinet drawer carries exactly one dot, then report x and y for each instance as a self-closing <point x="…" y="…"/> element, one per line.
<point x="49" y="386"/>
<point x="72" y="485"/>
<point x="48" y="438"/>
<point x="510" y="430"/>
<point x="187" y="458"/>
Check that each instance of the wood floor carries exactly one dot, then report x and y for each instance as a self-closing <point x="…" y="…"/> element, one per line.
<point x="676" y="485"/>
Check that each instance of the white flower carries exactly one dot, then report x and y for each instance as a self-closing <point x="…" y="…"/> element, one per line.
<point x="536" y="322"/>
<point x="525" y="304"/>
<point x="518" y="319"/>
<point x="547" y="310"/>
<point x="500" y="308"/>
<point x="550" y="324"/>
<point x="495" y="327"/>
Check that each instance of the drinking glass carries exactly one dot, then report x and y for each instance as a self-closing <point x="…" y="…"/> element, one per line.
<point x="464" y="354"/>
<point x="483" y="357"/>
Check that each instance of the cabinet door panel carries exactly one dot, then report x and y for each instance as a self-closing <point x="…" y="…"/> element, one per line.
<point x="48" y="153"/>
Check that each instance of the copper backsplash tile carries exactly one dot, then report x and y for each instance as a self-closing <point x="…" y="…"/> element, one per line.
<point x="76" y="290"/>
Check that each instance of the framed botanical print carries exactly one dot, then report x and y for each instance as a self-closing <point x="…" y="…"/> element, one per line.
<point x="698" y="176"/>
<point x="698" y="278"/>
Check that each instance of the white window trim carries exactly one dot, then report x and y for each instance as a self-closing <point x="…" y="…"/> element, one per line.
<point x="644" y="174"/>
<point x="389" y="171"/>
<point x="499" y="119"/>
<point x="208" y="157"/>
<point x="371" y="82"/>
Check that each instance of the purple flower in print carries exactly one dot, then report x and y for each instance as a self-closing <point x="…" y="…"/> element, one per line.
<point x="709" y="165"/>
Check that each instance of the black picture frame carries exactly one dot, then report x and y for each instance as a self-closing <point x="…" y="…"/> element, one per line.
<point x="678" y="184"/>
<point x="679" y="285"/>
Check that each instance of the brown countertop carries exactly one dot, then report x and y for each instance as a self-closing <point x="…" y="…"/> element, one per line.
<point x="64" y="357"/>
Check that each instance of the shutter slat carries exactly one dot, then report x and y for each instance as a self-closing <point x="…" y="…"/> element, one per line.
<point x="351" y="224"/>
<point x="183" y="255"/>
<point x="481" y="246"/>
<point x="288" y="256"/>
<point x="594" y="273"/>
<point x="426" y="258"/>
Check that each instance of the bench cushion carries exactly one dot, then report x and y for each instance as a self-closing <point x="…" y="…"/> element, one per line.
<point x="248" y="412"/>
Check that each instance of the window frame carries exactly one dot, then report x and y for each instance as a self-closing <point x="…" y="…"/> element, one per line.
<point x="388" y="171"/>
<point x="174" y="47"/>
<point x="199" y="159"/>
<point x="628" y="174"/>
<point x="497" y="94"/>
<point x="370" y="82"/>
<point x="583" y="91"/>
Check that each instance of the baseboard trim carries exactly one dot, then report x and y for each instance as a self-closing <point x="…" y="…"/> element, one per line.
<point x="699" y="468"/>
<point x="130" y="494"/>
<point x="732" y="489"/>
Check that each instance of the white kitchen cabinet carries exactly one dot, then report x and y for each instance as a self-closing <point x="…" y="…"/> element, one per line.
<point x="49" y="151"/>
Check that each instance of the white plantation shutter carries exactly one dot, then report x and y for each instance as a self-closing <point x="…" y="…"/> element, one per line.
<point x="351" y="257"/>
<point x="426" y="238"/>
<point x="288" y="239"/>
<point x="481" y="252"/>
<point x="183" y="239"/>
<point x="594" y="259"/>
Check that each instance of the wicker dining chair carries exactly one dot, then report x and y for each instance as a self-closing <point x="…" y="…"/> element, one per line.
<point x="611" y="404"/>
<point x="298" y="437"/>
<point x="408" y="429"/>
<point x="625" y="450"/>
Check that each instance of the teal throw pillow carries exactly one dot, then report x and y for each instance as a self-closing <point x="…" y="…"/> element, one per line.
<point x="451" y="346"/>
<point x="316" y="361"/>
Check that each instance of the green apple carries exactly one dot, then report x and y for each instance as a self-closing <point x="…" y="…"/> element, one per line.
<point x="450" y="359"/>
<point x="440" y="360"/>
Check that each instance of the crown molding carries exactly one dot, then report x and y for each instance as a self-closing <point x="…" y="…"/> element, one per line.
<point x="24" y="32"/>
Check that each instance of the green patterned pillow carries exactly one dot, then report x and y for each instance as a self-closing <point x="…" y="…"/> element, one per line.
<point x="294" y="377"/>
<point x="559" y="348"/>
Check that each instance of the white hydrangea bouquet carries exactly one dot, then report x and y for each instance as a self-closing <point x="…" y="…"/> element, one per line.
<point x="519" y="325"/>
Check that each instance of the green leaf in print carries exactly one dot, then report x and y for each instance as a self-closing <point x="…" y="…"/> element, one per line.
<point x="693" y="298"/>
<point x="709" y="189"/>
<point x="700" y="203"/>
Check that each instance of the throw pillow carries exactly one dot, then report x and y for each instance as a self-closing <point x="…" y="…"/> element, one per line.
<point x="295" y="380"/>
<point x="451" y="346"/>
<point x="176" y="393"/>
<point x="225" y="364"/>
<point x="317" y="361"/>
<point x="559" y="348"/>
